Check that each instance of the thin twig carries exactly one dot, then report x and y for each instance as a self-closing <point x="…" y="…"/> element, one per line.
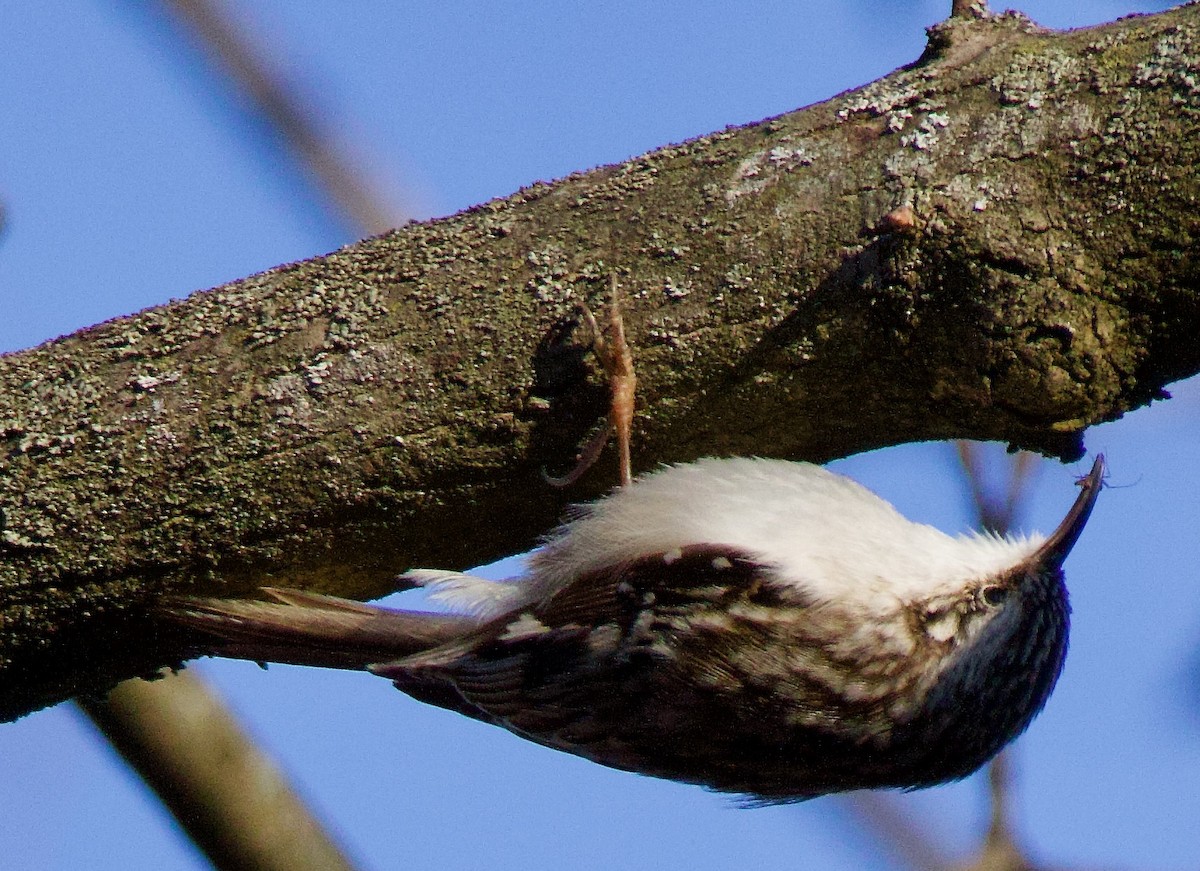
<point x="245" y="67"/>
<point x="884" y="820"/>
<point x="996" y="514"/>
<point x="225" y="793"/>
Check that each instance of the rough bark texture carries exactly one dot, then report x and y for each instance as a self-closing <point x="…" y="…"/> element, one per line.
<point x="996" y="243"/>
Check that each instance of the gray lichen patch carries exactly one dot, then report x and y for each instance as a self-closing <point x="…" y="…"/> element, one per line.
<point x="1034" y="74"/>
<point x="1175" y="64"/>
<point x="758" y="170"/>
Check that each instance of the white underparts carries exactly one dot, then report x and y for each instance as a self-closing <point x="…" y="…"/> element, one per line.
<point x="819" y="531"/>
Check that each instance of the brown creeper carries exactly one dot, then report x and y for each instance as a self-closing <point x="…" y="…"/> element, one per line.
<point x="756" y="626"/>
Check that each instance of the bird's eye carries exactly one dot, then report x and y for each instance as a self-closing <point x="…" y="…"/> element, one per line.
<point x="995" y="595"/>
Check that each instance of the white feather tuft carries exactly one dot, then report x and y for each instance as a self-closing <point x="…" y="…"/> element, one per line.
<point x="469" y="594"/>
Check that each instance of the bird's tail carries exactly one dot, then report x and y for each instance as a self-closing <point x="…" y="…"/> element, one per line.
<point x="311" y="629"/>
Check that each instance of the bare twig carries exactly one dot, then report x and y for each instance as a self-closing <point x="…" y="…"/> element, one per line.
<point x="883" y="818"/>
<point x="996" y="514"/>
<point x="224" y="792"/>
<point x="244" y="65"/>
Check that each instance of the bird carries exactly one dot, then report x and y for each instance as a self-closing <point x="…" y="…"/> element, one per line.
<point x="761" y="627"/>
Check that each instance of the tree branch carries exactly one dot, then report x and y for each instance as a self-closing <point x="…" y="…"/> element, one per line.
<point x="223" y="791"/>
<point x="330" y="423"/>
<point x="246" y="68"/>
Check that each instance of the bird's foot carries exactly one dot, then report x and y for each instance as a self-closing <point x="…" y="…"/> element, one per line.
<point x="617" y="360"/>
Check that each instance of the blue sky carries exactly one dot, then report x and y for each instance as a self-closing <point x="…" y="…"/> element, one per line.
<point x="127" y="180"/>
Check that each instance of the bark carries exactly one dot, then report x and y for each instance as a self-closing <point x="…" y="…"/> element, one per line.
<point x="994" y="243"/>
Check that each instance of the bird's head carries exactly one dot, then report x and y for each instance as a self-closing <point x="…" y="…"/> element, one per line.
<point x="1002" y="640"/>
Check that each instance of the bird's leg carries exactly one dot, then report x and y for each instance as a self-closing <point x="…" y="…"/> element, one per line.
<point x="617" y="360"/>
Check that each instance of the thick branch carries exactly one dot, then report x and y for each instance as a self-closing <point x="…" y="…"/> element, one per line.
<point x="996" y="243"/>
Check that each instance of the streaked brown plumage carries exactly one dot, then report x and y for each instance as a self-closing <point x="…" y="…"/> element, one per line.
<point x="758" y="627"/>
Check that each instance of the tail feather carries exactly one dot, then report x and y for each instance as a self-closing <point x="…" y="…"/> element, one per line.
<point x="304" y="628"/>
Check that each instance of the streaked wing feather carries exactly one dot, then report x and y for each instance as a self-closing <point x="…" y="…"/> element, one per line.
<point x="542" y="680"/>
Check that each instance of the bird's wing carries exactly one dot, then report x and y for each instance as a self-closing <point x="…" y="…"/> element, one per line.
<point x="684" y="578"/>
<point x="542" y="668"/>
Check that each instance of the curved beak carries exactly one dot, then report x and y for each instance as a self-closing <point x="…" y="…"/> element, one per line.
<point x="1055" y="548"/>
